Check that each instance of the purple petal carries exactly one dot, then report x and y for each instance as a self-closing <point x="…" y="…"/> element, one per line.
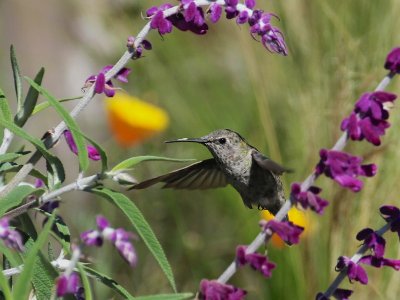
<point x="122" y="75"/>
<point x="393" y="61"/>
<point x="92" y="238"/>
<point x="215" y="12"/>
<point x="288" y="231"/>
<point x="213" y="290"/>
<point x="70" y="141"/>
<point x="93" y="153"/>
<point x="100" y="83"/>
<point x="250" y="3"/>
<point x="102" y="223"/>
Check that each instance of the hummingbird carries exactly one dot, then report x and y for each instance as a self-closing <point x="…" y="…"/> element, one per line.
<point x="255" y="176"/>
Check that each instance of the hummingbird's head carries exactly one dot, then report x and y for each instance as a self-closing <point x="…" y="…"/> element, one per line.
<point x="223" y="143"/>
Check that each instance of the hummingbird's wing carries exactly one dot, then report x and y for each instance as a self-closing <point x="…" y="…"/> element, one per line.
<point x="268" y="164"/>
<point x="201" y="175"/>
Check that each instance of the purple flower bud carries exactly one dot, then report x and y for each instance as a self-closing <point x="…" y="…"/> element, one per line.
<point x="393" y="61"/>
<point x="344" y="168"/>
<point x="242" y="17"/>
<point x="287" y="231"/>
<point x="11" y="238"/>
<point x="100" y="83"/>
<point x="102" y="223"/>
<point x="39" y="183"/>
<point x="130" y="41"/>
<point x="354" y="271"/>
<point x="309" y="198"/>
<point x="215" y="11"/>
<point x="93" y="154"/>
<point x="250" y="3"/>
<point x="274" y="42"/>
<point x="391" y="214"/>
<point x="68" y="284"/>
<point x="213" y="290"/>
<point x="340" y="294"/>
<point x="179" y="22"/>
<point x="374" y="241"/>
<point x="371" y="105"/>
<point x="92" y="238"/>
<point x="257" y="261"/>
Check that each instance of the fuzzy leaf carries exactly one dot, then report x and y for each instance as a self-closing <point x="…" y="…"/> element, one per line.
<point x="5" y="107"/>
<point x="17" y="76"/>
<point x="30" y="101"/>
<point x="16" y="196"/>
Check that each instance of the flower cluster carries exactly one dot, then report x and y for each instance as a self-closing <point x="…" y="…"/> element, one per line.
<point x="286" y="230"/>
<point x="70" y="284"/>
<point x="213" y="290"/>
<point x="92" y="151"/>
<point x="10" y="237"/>
<point x="191" y="16"/>
<point x="369" y="118"/>
<point x="393" y="61"/>
<point x="103" y="86"/>
<point x="309" y="198"/>
<point x="257" y="261"/>
<point x="118" y="237"/>
<point x="344" y="168"/>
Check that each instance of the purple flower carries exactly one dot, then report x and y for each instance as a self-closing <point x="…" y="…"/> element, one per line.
<point x="120" y="238"/>
<point x="93" y="154"/>
<point x="101" y="86"/>
<point x="344" y="168"/>
<point x="391" y="214"/>
<point x="192" y="13"/>
<point x="215" y="12"/>
<point x="11" y="238"/>
<point x="138" y="51"/>
<point x="39" y="183"/>
<point x="178" y="20"/>
<point x="257" y="261"/>
<point x="369" y="117"/>
<point x="158" y="21"/>
<point x="231" y="8"/>
<point x="379" y="262"/>
<point x="213" y="290"/>
<point x="287" y="231"/>
<point x="68" y="284"/>
<point x="374" y="241"/>
<point x="340" y="294"/>
<point x="354" y="271"/>
<point x="308" y="198"/>
<point x="393" y="61"/>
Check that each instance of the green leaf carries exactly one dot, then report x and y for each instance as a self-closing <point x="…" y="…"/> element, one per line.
<point x="55" y="163"/>
<point x="85" y="282"/>
<point x="142" y="227"/>
<point x="133" y="161"/>
<point x="5" y="289"/>
<point x="4" y="107"/>
<point x="17" y="77"/>
<point x="16" y="196"/>
<point x="22" y="286"/>
<point x="12" y="255"/>
<point x="44" y="105"/>
<point x="10" y="167"/>
<point x="69" y="121"/>
<point x="108" y="281"/>
<point x="43" y="277"/>
<point x="180" y="296"/>
<point x="30" y="101"/>
<point x="63" y="234"/>
<point x="12" y="156"/>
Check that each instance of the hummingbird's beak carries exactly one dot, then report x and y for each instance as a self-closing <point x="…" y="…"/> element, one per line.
<point x="188" y="140"/>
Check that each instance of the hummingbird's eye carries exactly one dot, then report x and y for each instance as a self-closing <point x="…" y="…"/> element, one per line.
<point x="222" y="141"/>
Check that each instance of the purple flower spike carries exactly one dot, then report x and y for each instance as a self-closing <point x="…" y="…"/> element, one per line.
<point x="120" y="238"/>
<point x="379" y="262"/>
<point x="213" y="290"/>
<point x="68" y="284"/>
<point x="344" y="168"/>
<point x="373" y="241"/>
<point x="11" y="238"/>
<point x="93" y="154"/>
<point x="393" y="61"/>
<point x="257" y="261"/>
<point x="287" y="231"/>
<point x="309" y="198"/>
<point x="391" y="214"/>
<point x="354" y="271"/>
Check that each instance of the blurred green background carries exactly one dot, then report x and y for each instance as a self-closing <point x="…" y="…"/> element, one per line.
<point x="288" y="107"/>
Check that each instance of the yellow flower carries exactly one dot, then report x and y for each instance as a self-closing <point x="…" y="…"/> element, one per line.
<point x="133" y="120"/>
<point x="296" y="216"/>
